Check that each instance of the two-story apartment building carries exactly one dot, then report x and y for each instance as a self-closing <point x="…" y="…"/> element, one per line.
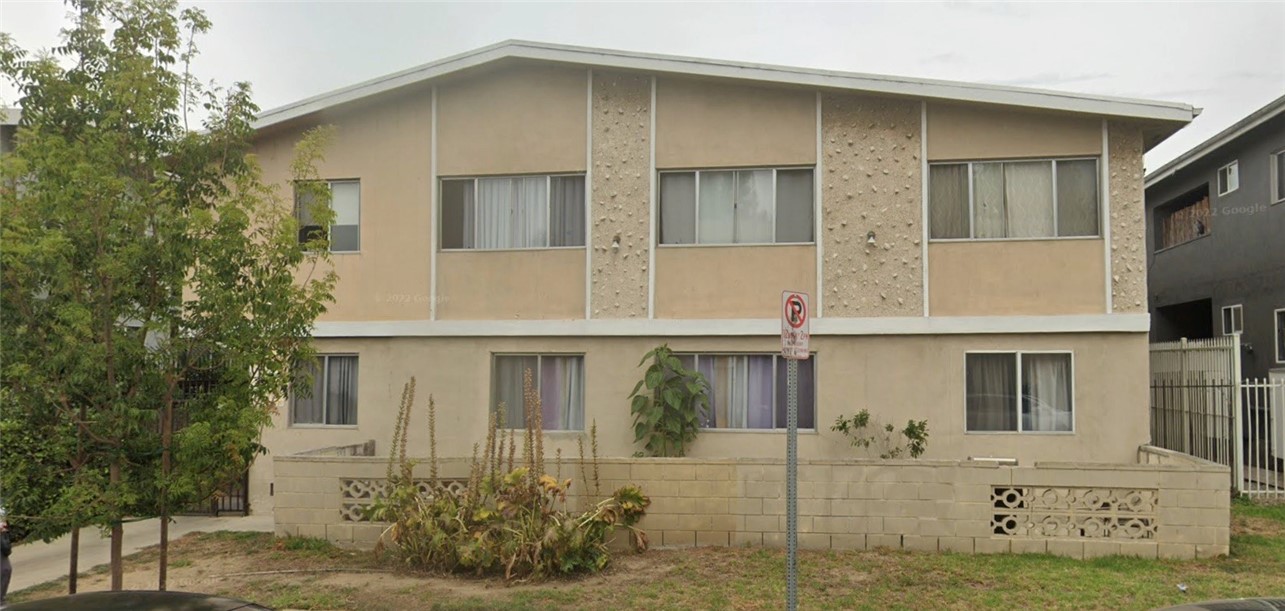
<point x="975" y="255"/>
<point x="1216" y="248"/>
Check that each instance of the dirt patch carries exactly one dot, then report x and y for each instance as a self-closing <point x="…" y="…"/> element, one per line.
<point x="1251" y="525"/>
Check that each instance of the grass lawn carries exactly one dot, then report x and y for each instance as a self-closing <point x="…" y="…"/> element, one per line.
<point x="311" y="574"/>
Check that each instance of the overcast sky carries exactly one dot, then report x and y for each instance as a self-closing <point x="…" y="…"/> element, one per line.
<point x="1225" y="57"/>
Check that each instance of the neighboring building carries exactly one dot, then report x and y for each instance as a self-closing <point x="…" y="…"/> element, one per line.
<point x="1216" y="245"/>
<point x="975" y="254"/>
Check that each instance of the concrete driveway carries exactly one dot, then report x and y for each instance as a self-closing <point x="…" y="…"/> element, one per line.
<point x="37" y="562"/>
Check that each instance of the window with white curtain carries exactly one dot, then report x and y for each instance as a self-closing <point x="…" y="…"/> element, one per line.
<point x="506" y="212"/>
<point x="763" y="206"/>
<point x="748" y="391"/>
<point x="1044" y="198"/>
<point x="557" y="379"/>
<point x="1024" y="392"/>
<point x="325" y="392"/>
<point x="345" y="228"/>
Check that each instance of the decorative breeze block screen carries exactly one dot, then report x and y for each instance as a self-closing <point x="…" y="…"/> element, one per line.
<point x="1080" y="513"/>
<point x="357" y="494"/>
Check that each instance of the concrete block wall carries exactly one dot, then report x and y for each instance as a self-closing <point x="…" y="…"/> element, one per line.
<point x="855" y="504"/>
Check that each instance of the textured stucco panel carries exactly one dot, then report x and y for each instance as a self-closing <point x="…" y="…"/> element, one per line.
<point x="871" y="182"/>
<point x="621" y="187"/>
<point x="1128" y="224"/>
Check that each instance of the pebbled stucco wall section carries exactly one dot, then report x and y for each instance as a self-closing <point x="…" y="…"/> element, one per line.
<point x="1128" y="218"/>
<point x="621" y="157"/>
<point x="871" y="181"/>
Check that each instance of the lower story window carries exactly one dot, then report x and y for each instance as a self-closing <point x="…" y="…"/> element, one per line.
<point x="331" y="397"/>
<point x="1019" y="391"/>
<point x="557" y="379"/>
<point x="748" y="391"/>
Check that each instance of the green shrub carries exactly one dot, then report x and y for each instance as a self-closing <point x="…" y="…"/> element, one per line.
<point x="887" y="438"/>
<point x="667" y="404"/>
<point x="510" y="520"/>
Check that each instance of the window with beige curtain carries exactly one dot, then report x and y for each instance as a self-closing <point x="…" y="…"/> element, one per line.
<point x="1013" y="199"/>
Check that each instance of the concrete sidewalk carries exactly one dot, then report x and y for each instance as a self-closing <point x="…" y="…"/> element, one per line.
<point x="37" y="562"/>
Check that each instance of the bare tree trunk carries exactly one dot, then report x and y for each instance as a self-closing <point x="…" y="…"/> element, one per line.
<point x="118" y="533"/>
<point x="75" y="560"/>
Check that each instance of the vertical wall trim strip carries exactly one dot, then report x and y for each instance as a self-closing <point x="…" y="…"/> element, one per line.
<point x="1104" y="183"/>
<point x="818" y="211"/>
<point x="653" y="210"/>
<point x="434" y="190"/>
<point x="923" y="196"/>
<point x="588" y="197"/>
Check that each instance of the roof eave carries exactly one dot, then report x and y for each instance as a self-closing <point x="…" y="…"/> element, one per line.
<point x="899" y="86"/>
<point x="1268" y="112"/>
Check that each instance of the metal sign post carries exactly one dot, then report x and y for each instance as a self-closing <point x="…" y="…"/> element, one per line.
<point x="794" y="348"/>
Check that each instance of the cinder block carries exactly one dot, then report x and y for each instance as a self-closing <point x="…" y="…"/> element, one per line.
<point x="339" y="532"/>
<point x="919" y="543"/>
<point x="833" y="525"/>
<point x="814" y="507"/>
<point x="816" y="473"/>
<point x="848" y="507"/>
<point x="673" y="504"/>
<point x="1211" y="551"/>
<point x="1176" y="551"/>
<point x="901" y="526"/>
<point x="727" y="522"/>
<point x="881" y="540"/>
<point x="849" y="542"/>
<point x="936" y="492"/>
<point x="612" y="471"/>
<point x="367" y="534"/>
<point x="1097" y="549"/>
<point x="894" y="491"/>
<point x="764" y="523"/>
<point x="937" y="528"/>
<point x="991" y="545"/>
<point x="712" y="505"/>
<point x="865" y="490"/>
<point x="747" y="539"/>
<point x="744" y="506"/>
<point x="1029" y="546"/>
<point x="679" y="538"/>
<point x="974" y="528"/>
<point x="764" y="490"/>
<point x="715" y="472"/>
<point x="774" y="507"/>
<point x="660" y="521"/>
<point x="695" y="522"/>
<point x="774" y="539"/>
<point x="712" y="538"/>
<point x="1070" y="549"/>
<point x="814" y="541"/>
<point x="286" y="530"/>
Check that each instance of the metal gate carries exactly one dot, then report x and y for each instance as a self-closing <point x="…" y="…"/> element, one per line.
<point x="1201" y="406"/>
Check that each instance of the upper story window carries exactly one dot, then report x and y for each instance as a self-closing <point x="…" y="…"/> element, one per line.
<point x="1013" y="199"/>
<point x="1184" y="219"/>
<point x="1019" y="392"/>
<point x="557" y="379"/>
<point x="345" y="230"/>
<point x="1278" y="176"/>
<point x="1229" y="178"/>
<point x="747" y="391"/>
<point x="1233" y="319"/>
<point x="513" y="212"/>
<point x="767" y="206"/>
<point x="331" y="398"/>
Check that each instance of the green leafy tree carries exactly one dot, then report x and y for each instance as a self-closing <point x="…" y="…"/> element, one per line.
<point x="667" y="404"/>
<point x="138" y="256"/>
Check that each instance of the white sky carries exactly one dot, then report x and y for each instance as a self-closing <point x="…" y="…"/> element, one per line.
<point x="1226" y="57"/>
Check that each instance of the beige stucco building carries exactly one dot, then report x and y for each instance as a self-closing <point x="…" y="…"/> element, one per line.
<point x="974" y="254"/>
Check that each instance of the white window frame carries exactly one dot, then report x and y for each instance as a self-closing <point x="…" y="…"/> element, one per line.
<point x="697" y="210"/>
<point x="1233" y="178"/>
<point x="330" y="184"/>
<point x="1237" y="311"/>
<point x="1279" y="317"/>
<point x="494" y="404"/>
<point x="548" y="210"/>
<point x="325" y="406"/>
<point x="1097" y="171"/>
<point x="1278" y="194"/>
<point x="1018" y="390"/>
<point x="777" y="362"/>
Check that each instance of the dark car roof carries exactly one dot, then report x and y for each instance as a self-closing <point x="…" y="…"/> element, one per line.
<point x="137" y="600"/>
